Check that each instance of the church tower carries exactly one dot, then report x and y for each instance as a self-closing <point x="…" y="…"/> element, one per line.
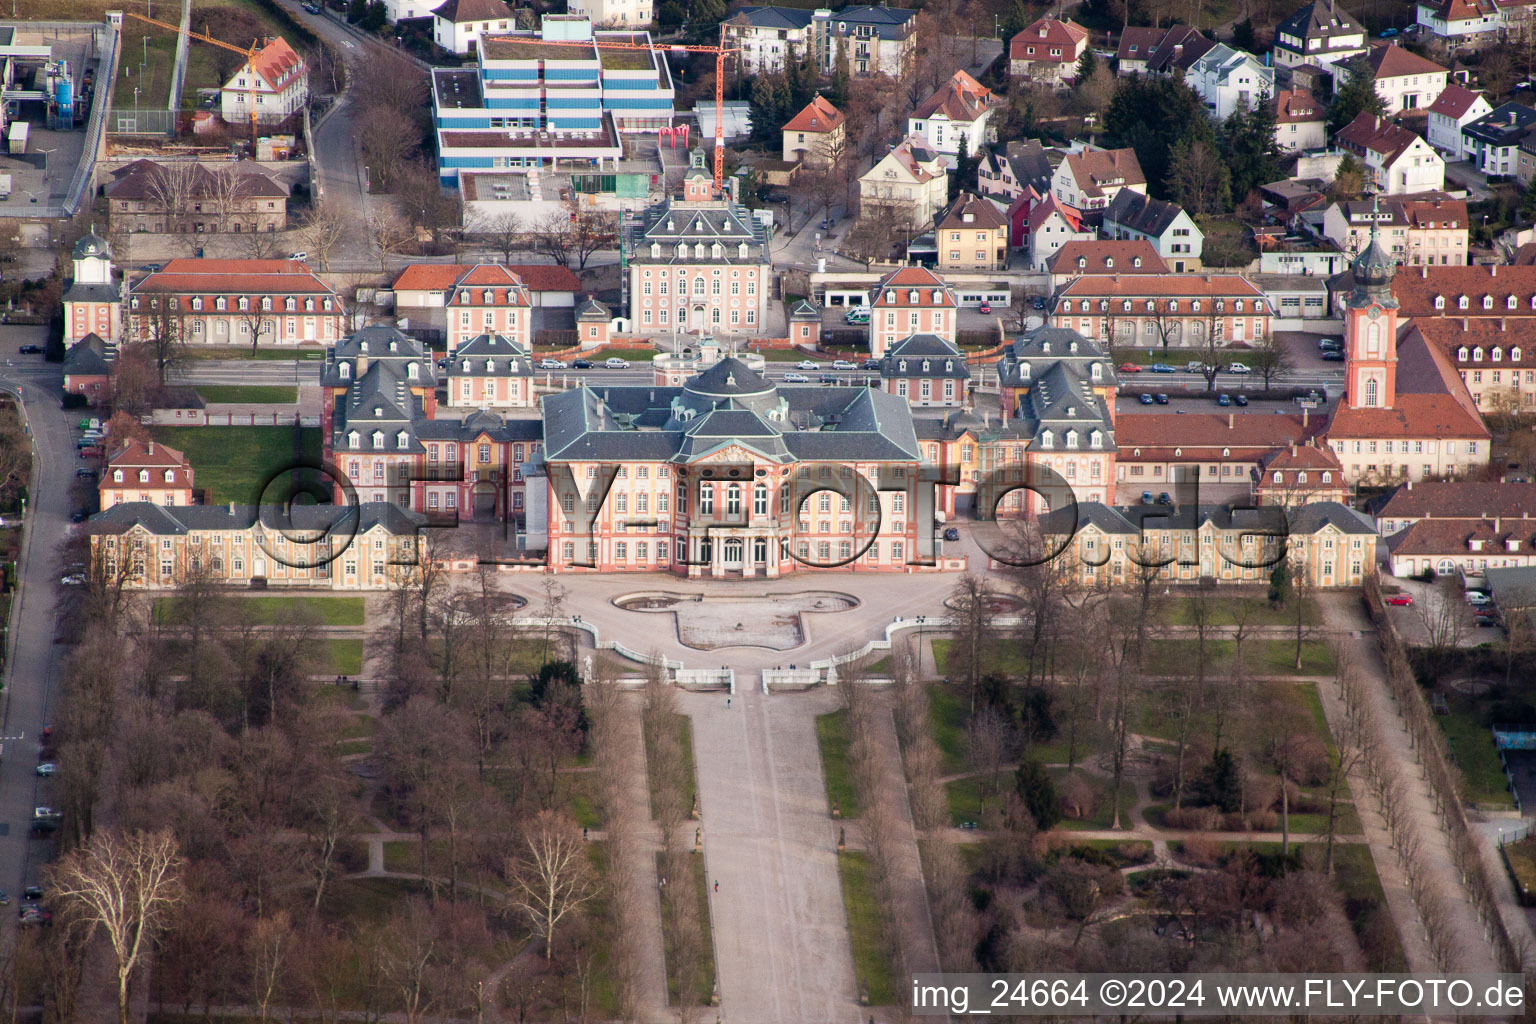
<point x="93" y="301"/>
<point x="1370" y="332"/>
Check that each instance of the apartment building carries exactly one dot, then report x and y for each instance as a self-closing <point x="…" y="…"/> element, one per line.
<point x="1397" y="161"/>
<point x="815" y="135"/>
<point x="1320" y="33"/>
<point x="1047" y="52"/>
<point x="972" y="235"/>
<point x="1413" y="231"/>
<point x="277" y="79"/>
<point x="1228" y="80"/>
<point x="1492" y="142"/>
<point x="1089" y="180"/>
<point x="769" y="38"/>
<point x="1300" y="121"/>
<point x="1151" y="311"/>
<point x="1134" y="216"/>
<point x="1404" y="80"/>
<point x="191" y="199"/>
<point x="235" y="302"/>
<point x="954" y="119"/>
<point x="147" y="471"/>
<point x="1159" y="51"/>
<point x="908" y="186"/>
<point x="870" y="40"/>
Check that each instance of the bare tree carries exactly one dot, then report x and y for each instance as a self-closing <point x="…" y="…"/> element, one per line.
<point x="257" y="318"/>
<point x="973" y="632"/>
<point x="571" y="236"/>
<point x="261" y="245"/>
<point x="389" y="235"/>
<point x="1270" y="359"/>
<point x="505" y="232"/>
<point x="1443" y="614"/>
<point x="170" y="187"/>
<point x="321" y="232"/>
<point x="124" y="883"/>
<point x="224" y="189"/>
<point x="162" y="331"/>
<point x="553" y="878"/>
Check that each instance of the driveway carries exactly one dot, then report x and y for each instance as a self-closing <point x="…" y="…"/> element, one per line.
<point x="33" y="671"/>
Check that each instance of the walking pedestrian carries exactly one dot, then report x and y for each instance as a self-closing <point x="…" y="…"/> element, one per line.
<point x="717" y="885"/>
<point x="727" y="702"/>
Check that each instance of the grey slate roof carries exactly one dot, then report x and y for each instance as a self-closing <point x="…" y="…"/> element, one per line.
<point x="590" y="309"/>
<point x="805" y="309"/>
<point x="489" y="355"/>
<point x="774" y="17"/>
<point x="924" y="355"/>
<point x="727" y="404"/>
<point x="1503" y="125"/>
<point x="1321" y="20"/>
<point x="378" y="344"/>
<point x="1133" y="519"/>
<point x="888" y="22"/>
<point x="674" y="221"/>
<point x="88" y="357"/>
<point x="1053" y="368"/>
<point x="91" y="245"/>
<point x="93" y="293"/>
<point x="170" y="520"/>
<point x="1141" y="213"/>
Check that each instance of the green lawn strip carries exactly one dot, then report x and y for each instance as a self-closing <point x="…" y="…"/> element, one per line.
<point x="1222" y="611"/>
<point x="833" y="739"/>
<point x="300" y="352"/>
<point x="1354" y="872"/>
<point x="141" y="83"/>
<point x="700" y="892"/>
<point x="271" y="610"/>
<point x="1261" y="656"/>
<point x="579" y="789"/>
<point x="947" y="711"/>
<point x="359" y="901"/>
<point x="684" y="726"/>
<point x="233" y="464"/>
<point x="866" y="930"/>
<point x="249" y="394"/>
<point x="965" y="797"/>
<point x="343" y="656"/>
<point x="1010" y="659"/>
<point x="1472" y="745"/>
<point x="605" y="989"/>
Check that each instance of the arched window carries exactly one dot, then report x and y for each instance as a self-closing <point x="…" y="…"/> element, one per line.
<point x="1071" y="439"/>
<point x="402" y="439"/>
<point x="1301" y="477"/>
<point x="352" y="441"/>
<point x="1047" y="439"/>
<point x="1096" y="439"/>
<point x="1370" y="393"/>
<point x="378" y="439"/>
<point x="1276" y="476"/>
<point x="410" y="371"/>
<point x="1487" y="301"/>
<point x="1327" y="477"/>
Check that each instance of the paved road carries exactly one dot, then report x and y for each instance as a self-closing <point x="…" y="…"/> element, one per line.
<point x="32" y="675"/>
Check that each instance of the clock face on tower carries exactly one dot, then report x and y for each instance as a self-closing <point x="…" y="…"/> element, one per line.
<point x="1374" y="313"/>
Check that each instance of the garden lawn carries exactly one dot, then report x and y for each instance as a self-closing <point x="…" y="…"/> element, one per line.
<point x="233" y="464"/>
<point x="341" y="657"/>
<point x="866" y="931"/>
<point x="249" y="394"/>
<point x="155" y="85"/>
<point x="1471" y="744"/>
<point x="1263" y="656"/>
<point x="948" y="709"/>
<point x="1520" y="859"/>
<point x="832" y="737"/>
<point x="1222" y="612"/>
<point x="1010" y="661"/>
<point x="270" y="610"/>
<point x="1103" y="814"/>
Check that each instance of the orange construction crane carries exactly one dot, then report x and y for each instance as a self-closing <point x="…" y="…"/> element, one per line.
<point x="719" y="52"/>
<point x="203" y="36"/>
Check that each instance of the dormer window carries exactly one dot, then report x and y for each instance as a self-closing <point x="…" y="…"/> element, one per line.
<point x="1103" y="305"/>
<point x="291" y="303"/>
<point x="402" y="439"/>
<point x="682" y="249"/>
<point x="245" y="304"/>
<point x="117" y="476"/>
<point x="1514" y="354"/>
<point x="1136" y="262"/>
<point x="1096" y="371"/>
<point x="912" y="297"/>
<point x="890" y="295"/>
<point x="197" y="305"/>
<point x="716" y="250"/>
<point x="143" y="476"/>
<point x="1439" y="301"/>
<point x="1487" y="301"/>
<point x="925" y="366"/>
<point x="353" y="439"/>
<point x="378" y="439"/>
<point x="464" y="365"/>
<point x="741" y="251"/>
<point x="1461" y="303"/>
<point x="1301" y="477"/>
<point x="487" y="296"/>
<point x="1150" y="306"/>
<point x="1327" y="477"/>
<point x="1109" y="262"/>
<point x="655" y="250"/>
<point x="266" y="303"/>
<point x="1082" y="262"/>
<point x="309" y="305"/>
<point x="949" y="365"/>
<point x="410" y="371"/>
<point x="170" y="476"/>
<point x="1461" y="353"/>
<point x="901" y="366"/>
<point x="325" y="304"/>
<point x="1125" y="307"/>
<point x="378" y="412"/>
<point x="1071" y="439"/>
<point x="1509" y="303"/>
<point x="1477" y="354"/>
<point x="1496" y="354"/>
<point x="1226" y="453"/>
<point x="490" y="366"/>
<point x="1096" y="439"/>
<point x="218" y="303"/>
<point x="345" y="370"/>
<point x="1047" y="439"/>
<point x="1173" y="305"/>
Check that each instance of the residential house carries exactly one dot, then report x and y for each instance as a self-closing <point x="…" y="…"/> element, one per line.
<point x="88" y="369"/>
<point x="908" y="301"/>
<point x="537" y="99"/>
<point x="351" y="547"/>
<point x="1321" y="33"/>
<point x="422" y="291"/>
<point x="1525" y="160"/>
<point x="1459" y="24"/>
<point x="769" y="38"/>
<point x="276" y="78"/>
<point x="1413" y="231"/>
<point x="972" y="235"/>
<point x="235" y="302"/>
<point x="1228" y="80"/>
<point x="1300" y="121"/>
<point x="489" y="371"/>
<point x="147" y="471"/>
<point x="1159" y="51"/>
<point x="396" y="11"/>
<point x="489" y="299"/>
<point x="1178" y="240"/>
<point x="1469" y="500"/>
<point x="1454" y="109"/>
<point x="1301" y="474"/>
<point x="872" y="40"/>
<point x="458" y="25"/>
<point x="732" y="476"/>
<point x="816" y="135"/>
<point x="1404" y="80"/>
<point x="1332" y="544"/>
<point x="1153" y="311"/>
<point x="615" y="14"/>
<point x="1021" y="164"/>
<point x="925" y="370"/>
<point x="1047" y="52"/>
<point x="190" y="199"/>
<point x="1397" y="161"/>
<point x="1492" y="141"/>
<point x="1053" y="224"/>
<point x="1104" y="257"/>
<point x="1406" y="413"/>
<point x="699" y="262"/>
<point x="954" y="119"/>
<point x="1205" y="456"/>
<point x="93" y="302"/>
<point x="908" y="186"/>
<point x="1447" y="547"/>
<point x="1089" y="180"/>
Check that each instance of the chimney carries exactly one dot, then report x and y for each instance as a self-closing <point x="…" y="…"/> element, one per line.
<point x="1423" y="273"/>
<point x="1304" y="412"/>
<point x="1293" y="449"/>
<point x="151" y="447"/>
<point x="1231" y="421"/>
<point x="1493" y="270"/>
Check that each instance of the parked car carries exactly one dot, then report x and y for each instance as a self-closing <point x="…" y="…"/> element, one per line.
<point x="1240" y="400"/>
<point x="1161" y="368"/>
<point x="30" y="350"/>
<point x="151" y="268"/>
<point x="298" y="255"/>
<point x="829" y="378"/>
<point x="1130" y="367"/>
<point x="796" y="378"/>
<point x="844" y="364"/>
<point x="1039" y="303"/>
<point x="90" y="451"/>
<point x="1330" y="344"/>
<point x="46" y="768"/>
<point x="985" y="307"/>
<point x="1401" y="600"/>
<point x="1194" y="366"/>
<point x="74" y="579"/>
<point x="1333" y="355"/>
<point x="41" y="814"/>
<point x="1478" y="598"/>
<point x="1164" y="499"/>
<point x="312" y="8"/>
<point x="85" y="474"/>
<point x="615" y="363"/>
<point x="1487" y="620"/>
<point x="951" y="534"/>
<point x="1223" y="400"/>
<point x="1238" y="368"/>
<point x="1145" y="398"/>
<point x="581" y="364"/>
<point x="871" y="364"/>
<point x="1160" y="398"/>
<point x="77" y="516"/>
<point x="551" y="364"/>
<point x="1146" y="497"/>
<point x="1387" y="33"/>
<point x="857" y="316"/>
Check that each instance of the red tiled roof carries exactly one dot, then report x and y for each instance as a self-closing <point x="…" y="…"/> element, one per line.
<point x="931" y="289"/>
<point x="1049" y="205"/>
<point x="1435" y="213"/>
<point x="1416" y="288"/>
<point x="1460" y="499"/>
<point x="1044" y="34"/>
<point x="1297" y="106"/>
<point x="275" y="60"/>
<point x="1463" y="10"/>
<point x="818" y="116"/>
<point x="1456" y="537"/>
<point x="546" y="277"/>
<point x="1201" y="433"/>
<point x="1392" y="61"/>
<point x="1302" y="457"/>
<point x="1103" y="256"/>
<point x="984" y="214"/>
<point x="439" y="277"/>
<point x="1454" y="101"/>
<point x="139" y="454"/>
<point x="1096" y="169"/>
<point x="189" y="276"/>
<point x="1525" y="256"/>
<point x="962" y="98"/>
<point x="428" y="277"/>
<point x="1431" y="401"/>
<point x="505" y="286"/>
<point x="1377" y="134"/>
<point x="1131" y="286"/>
